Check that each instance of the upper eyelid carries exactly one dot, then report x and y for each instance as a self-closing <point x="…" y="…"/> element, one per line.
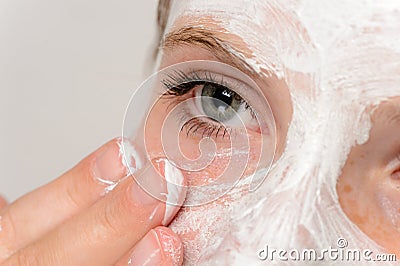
<point x="240" y="87"/>
<point x="181" y="77"/>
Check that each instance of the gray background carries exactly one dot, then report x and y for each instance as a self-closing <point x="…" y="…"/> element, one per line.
<point x="67" y="71"/>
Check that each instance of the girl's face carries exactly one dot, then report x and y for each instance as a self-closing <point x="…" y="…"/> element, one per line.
<point x="330" y="71"/>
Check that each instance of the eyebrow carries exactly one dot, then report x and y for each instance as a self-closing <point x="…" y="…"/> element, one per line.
<point x="208" y="40"/>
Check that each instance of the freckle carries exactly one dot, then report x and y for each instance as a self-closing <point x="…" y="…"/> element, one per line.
<point x="347" y="189"/>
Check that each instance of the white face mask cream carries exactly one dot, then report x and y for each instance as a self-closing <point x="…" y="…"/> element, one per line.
<point x="339" y="60"/>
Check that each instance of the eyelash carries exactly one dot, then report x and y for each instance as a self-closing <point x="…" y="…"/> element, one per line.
<point x="180" y="83"/>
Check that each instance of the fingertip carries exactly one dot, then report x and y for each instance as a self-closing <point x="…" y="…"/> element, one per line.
<point x="160" y="246"/>
<point x="171" y="245"/>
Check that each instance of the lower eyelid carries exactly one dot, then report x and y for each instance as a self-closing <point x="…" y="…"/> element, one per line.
<point x="198" y="126"/>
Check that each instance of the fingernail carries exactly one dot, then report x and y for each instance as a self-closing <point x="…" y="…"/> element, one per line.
<point x="176" y="191"/>
<point x="148" y="188"/>
<point x="108" y="167"/>
<point x="158" y="247"/>
<point x="164" y="184"/>
<point x="147" y="251"/>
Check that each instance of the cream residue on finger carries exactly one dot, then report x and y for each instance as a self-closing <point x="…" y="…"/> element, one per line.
<point x="175" y="182"/>
<point x="129" y="158"/>
<point x="129" y="155"/>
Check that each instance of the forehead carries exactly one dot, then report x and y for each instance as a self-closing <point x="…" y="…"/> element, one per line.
<point x="323" y="19"/>
<point x="348" y="45"/>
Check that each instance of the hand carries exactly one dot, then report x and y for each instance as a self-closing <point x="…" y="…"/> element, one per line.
<point x="78" y="219"/>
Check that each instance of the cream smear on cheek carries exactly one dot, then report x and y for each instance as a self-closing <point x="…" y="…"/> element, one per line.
<point x="347" y="54"/>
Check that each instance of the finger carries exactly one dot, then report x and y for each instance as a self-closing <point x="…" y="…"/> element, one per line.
<point x="160" y="246"/>
<point x="106" y="231"/>
<point x="3" y="202"/>
<point x="36" y="213"/>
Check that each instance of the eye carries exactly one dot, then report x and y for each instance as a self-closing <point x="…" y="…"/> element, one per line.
<point x="395" y="176"/>
<point x="213" y="103"/>
<point x="219" y="102"/>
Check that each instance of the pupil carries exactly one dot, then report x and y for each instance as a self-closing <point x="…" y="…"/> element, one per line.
<point x="220" y="103"/>
<point x="221" y="97"/>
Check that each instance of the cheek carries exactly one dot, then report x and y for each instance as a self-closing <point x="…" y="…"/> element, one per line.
<point x="372" y="205"/>
<point x="388" y="198"/>
<point x="201" y="228"/>
<point x="361" y="198"/>
<point x="368" y="190"/>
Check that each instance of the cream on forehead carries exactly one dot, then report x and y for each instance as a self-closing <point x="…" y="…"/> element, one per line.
<point x="299" y="21"/>
<point x="348" y="52"/>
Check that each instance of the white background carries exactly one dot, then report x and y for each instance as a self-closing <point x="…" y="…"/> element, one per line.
<point x="67" y="71"/>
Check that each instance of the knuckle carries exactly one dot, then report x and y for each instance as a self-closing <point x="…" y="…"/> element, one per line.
<point x="116" y="216"/>
<point x="111" y="222"/>
<point x="78" y="188"/>
<point x="81" y="187"/>
<point x="73" y="196"/>
<point x="23" y="258"/>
